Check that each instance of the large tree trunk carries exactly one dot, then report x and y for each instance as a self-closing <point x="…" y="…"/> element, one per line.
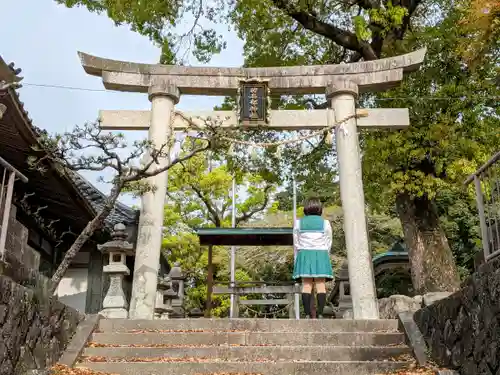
<point x="432" y="265"/>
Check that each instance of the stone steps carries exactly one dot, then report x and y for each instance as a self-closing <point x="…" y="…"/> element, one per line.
<point x="255" y="325"/>
<point x="250" y="338"/>
<point x="264" y="368"/>
<point x="253" y="353"/>
<point x="246" y="346"/>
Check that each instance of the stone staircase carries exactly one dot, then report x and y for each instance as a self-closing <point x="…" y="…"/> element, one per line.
<point x="250" y="346"/>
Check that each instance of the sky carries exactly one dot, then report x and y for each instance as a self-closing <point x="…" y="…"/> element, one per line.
<point x="42" y="38"/>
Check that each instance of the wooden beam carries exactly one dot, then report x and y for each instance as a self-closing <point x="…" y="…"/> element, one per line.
<point x="392" y="118"/>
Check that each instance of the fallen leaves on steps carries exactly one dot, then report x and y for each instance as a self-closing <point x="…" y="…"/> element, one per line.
<point x="184" y="330"/>
<point x="84" y="359"/>
<point x="93" y="344"/>
<point x="59" y="369"/>
<point x="414" y="371"/>
<point x="430" y="369"/>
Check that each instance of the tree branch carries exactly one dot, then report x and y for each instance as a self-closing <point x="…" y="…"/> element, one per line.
<point x="341" y="37"/>
<point x="144" y="174"/>
<point x="248" y="215"/>
<point x="411" y="5"/>
<point x="213" y="212"/>
<point x="93" y="225"/>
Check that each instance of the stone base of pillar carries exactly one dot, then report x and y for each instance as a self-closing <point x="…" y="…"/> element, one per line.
<point x="163" y="315"/>
<point x="114" y="313"/>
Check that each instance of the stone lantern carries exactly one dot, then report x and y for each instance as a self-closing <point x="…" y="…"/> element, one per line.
<point x="115" y="303"/>
<point x="164" y="296"/>
<point x="178" y="278"/>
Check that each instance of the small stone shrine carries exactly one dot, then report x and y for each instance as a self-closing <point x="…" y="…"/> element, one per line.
<point x="178" y="278"/>
<point x="164" y="296"/>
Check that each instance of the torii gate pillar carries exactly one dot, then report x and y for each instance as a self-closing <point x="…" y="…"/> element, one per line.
<point x="163" y="97"/>
<point x="342" y="95"/>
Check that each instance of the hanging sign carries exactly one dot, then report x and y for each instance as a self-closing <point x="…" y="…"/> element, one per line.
<point x="254" y="102"/>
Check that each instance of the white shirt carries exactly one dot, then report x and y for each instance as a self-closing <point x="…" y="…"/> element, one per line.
<point x="313" y="240"/>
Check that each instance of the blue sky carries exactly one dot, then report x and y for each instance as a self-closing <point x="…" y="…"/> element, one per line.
<point x="43" y="38"/>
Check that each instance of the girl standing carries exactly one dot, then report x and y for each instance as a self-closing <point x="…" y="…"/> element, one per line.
<point x="312" y="237"/>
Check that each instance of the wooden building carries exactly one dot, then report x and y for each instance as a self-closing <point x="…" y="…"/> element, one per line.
<point x="49" y="209"/>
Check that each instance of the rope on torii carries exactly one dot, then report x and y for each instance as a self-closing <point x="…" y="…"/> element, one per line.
<point x="327" y="129"/>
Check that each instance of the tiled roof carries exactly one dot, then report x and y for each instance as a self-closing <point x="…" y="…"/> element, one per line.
<point x="120" y="214"/>
<point x="8" y="73"/>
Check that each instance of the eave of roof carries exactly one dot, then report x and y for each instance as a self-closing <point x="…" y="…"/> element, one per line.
<point x="8" y="73"/>
<point x="121" y="212"/>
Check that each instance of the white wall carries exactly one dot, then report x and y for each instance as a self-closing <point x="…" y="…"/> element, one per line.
<point x="72" y="289"/>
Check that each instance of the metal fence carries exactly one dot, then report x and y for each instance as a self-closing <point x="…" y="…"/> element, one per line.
<point x="487" y="184"/>
<point x="8" y="175"/>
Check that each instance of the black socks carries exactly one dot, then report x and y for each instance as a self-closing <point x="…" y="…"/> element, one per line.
<point x="306" y="302"/>
<point x="321" y="303"/>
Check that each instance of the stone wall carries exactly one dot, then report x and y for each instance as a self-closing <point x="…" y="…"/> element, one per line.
<point x="463" y="330"/>
<point x="34" y="329"/>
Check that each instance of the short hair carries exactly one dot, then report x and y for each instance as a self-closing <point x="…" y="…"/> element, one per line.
<point x="313" y="206"/>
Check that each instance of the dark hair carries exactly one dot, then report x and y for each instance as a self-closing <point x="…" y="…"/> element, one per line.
<point x="313" y="206"/>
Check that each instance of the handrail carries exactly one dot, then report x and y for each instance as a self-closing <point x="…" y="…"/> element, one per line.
<point x="9" y="167"/>
<point x="6" y="194"/>
<point x="488" y="220"/>
<point x="483" y="168"/>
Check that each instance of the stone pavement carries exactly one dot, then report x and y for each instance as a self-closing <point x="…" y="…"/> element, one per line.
<point x="258" y="346"/>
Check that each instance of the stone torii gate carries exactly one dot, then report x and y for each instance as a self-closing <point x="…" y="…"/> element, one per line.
<point x="341" y="84"/>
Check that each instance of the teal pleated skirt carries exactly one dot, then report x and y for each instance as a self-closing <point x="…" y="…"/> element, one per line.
<point x="313" y="264"/>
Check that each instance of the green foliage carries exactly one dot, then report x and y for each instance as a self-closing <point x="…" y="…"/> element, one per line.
<point x="200" y="196"/>
<point x="397" y="281"/>
<point x="361" y="28"/>
<point x="460" y="221"/>
<point x="274" y="31"/>
<point x="448" y="138"/>
<point x="454" y="125"/>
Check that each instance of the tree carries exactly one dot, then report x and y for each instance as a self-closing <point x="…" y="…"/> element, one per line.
<point x="200" y="196"/>
<point x="481" y="23"/>
<point x="454" y="122"/>
<point x="351" y="29"/>
<point x="89" y="148"/>
<point x="200" y="189"/>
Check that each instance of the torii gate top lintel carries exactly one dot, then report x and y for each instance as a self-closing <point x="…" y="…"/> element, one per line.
<point x="373" y="75"/>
